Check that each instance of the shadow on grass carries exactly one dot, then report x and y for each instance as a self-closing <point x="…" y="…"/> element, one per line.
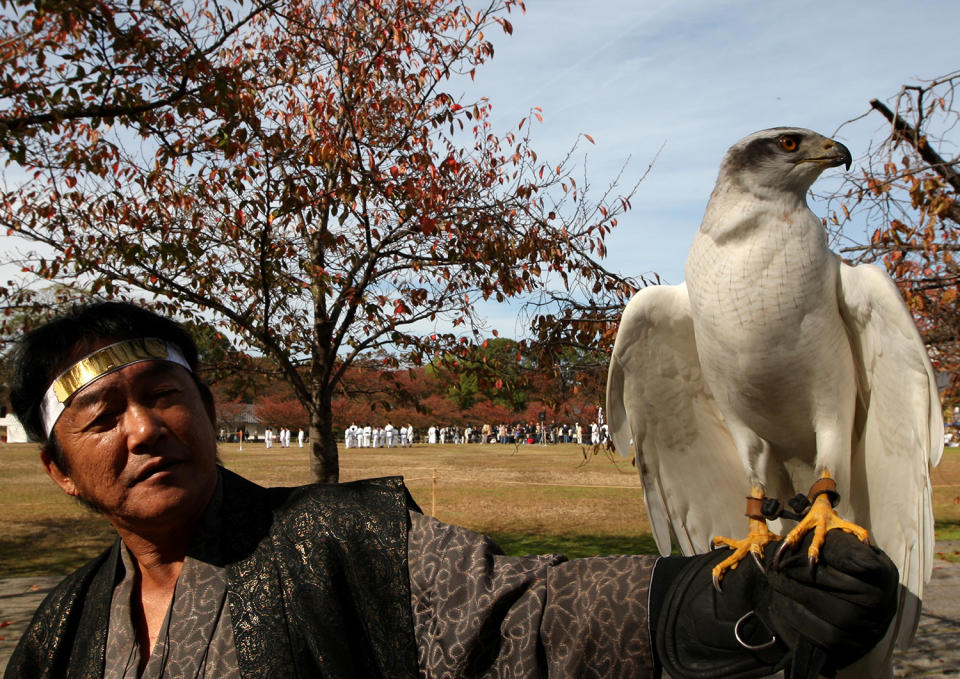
<point x="574" y="546"/>
<point x="53" y="546"/>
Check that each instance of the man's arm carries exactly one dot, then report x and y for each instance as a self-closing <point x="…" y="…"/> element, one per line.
<point x="478" y="612"/>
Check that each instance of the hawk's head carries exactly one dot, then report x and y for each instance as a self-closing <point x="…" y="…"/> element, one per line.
<point x="782" y="158"/>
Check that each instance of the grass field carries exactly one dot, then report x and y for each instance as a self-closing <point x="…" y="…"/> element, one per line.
<point x="531" y="499"/>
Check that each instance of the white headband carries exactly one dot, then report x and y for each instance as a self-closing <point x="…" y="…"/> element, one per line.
<point x="103" y="362"/>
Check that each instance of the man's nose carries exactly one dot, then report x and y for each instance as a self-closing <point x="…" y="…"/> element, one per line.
<point x="143" y="425"/>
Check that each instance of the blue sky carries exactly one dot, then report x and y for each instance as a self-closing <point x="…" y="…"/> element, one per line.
<point x="694" y="77"/>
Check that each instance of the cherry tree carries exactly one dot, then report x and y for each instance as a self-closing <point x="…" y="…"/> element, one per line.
<point x="301" y="174"/>
<point x="905" y="192"/>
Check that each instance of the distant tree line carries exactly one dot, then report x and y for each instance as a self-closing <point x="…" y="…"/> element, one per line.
<point x="497" y="381"/>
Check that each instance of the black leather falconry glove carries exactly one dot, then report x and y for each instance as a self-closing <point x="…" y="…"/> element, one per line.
<point x="794" y="618"/>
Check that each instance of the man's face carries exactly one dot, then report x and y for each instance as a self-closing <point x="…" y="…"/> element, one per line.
<point x="140" y="446"/>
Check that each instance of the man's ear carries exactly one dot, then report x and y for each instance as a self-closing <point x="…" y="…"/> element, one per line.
<point x="57" y="474"/>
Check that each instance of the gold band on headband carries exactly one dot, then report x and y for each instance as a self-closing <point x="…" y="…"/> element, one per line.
<point x="102" y="362"/>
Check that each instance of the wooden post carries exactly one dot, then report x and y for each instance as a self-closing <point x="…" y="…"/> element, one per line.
<point x="434" y="510"/>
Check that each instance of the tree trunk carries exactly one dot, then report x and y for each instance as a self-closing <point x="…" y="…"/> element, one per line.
<point x="324" y="458"/>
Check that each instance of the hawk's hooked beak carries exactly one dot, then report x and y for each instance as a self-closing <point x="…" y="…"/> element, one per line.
<point x="834" y="154"/>
<point x="842" y="154"/>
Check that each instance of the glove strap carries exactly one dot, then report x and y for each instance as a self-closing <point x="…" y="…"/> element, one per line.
<point x="807" y="661"/>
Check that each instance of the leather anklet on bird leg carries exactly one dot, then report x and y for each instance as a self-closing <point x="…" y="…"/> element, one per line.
<point x="757" y="538"/>
<point x="820" y="518"/>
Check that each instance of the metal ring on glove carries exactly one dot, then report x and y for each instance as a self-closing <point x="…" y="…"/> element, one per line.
<point x="751" y="647"/>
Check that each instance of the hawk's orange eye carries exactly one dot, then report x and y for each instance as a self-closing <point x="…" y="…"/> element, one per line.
<point x="788" y="143"/>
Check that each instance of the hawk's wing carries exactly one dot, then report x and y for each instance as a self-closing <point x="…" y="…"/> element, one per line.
<point x="693" y="480"/>
<point x="899" y="430"/>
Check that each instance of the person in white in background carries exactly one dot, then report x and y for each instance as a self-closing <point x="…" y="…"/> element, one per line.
<point x="268" y="437"/>
<point x="388" y="435"/>
<point x="300" y="437"/>
<point x="432" y="435"/>
<point x="367" y="435"/>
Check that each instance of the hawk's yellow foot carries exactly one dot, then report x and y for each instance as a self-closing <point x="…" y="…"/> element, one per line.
<point x="820" y="518"/>
<point x="758" y="538"/>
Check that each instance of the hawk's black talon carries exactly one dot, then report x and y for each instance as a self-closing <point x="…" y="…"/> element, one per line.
<point x="779" y="555"/>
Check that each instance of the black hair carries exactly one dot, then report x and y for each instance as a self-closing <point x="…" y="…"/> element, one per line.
<point x="43" y="353"/>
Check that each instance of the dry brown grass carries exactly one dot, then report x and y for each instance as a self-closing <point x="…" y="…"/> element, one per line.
<point x="530" y="498"/>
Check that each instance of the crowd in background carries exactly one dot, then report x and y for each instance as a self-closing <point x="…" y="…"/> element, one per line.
<point x="389" y="436"/>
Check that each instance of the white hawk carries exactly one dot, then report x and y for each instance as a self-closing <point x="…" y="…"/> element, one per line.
<point x="774" y="366"/>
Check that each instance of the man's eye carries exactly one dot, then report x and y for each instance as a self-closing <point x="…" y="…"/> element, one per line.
<point x="166" y="394"/>
<point x="105" y="420"/>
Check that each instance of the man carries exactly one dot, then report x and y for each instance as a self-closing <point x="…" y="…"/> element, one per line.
<point x="214" y="576"/>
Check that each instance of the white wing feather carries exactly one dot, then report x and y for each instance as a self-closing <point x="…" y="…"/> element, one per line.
<point x="693" y="479"/>
<point x="899" y="434"/>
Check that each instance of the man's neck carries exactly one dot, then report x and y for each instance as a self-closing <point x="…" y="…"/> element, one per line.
<point x="155" y="580"/>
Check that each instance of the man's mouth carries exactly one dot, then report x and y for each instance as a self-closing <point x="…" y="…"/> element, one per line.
<point x="155" y="466"/>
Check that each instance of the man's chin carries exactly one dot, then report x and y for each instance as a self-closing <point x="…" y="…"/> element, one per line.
<point x="170" y="498"/>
